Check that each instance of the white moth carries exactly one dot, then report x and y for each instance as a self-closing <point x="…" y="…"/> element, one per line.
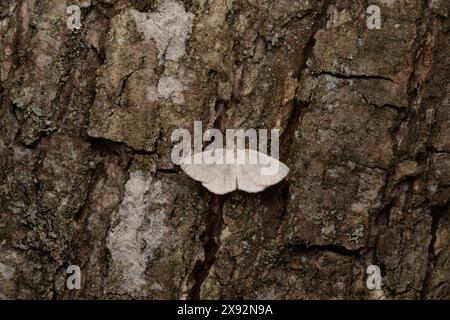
<point x="223" y="170"/>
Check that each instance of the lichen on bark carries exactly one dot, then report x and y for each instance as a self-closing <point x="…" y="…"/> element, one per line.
<point x="86" y="176"/>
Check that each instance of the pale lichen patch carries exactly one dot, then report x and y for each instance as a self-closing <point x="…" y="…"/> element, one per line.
<point x="169" y="27"/>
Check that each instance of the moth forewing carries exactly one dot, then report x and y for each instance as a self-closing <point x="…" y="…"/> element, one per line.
<point x="246" y="170"/>
<point x="245" y="181"/>
<point x="214" y="156"/>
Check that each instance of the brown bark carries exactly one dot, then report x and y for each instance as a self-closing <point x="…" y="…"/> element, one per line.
<point x="86" y="176"/>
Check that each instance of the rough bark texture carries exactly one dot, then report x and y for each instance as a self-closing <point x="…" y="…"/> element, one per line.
<point x="86" y="176"/>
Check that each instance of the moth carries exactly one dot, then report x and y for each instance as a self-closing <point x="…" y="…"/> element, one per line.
<point x="223" y="170"/>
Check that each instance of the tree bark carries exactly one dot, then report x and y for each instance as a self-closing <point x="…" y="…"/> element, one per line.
<point x="85" y="141"/>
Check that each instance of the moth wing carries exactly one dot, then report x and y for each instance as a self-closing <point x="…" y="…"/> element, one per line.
<point x="217" y="178"/>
